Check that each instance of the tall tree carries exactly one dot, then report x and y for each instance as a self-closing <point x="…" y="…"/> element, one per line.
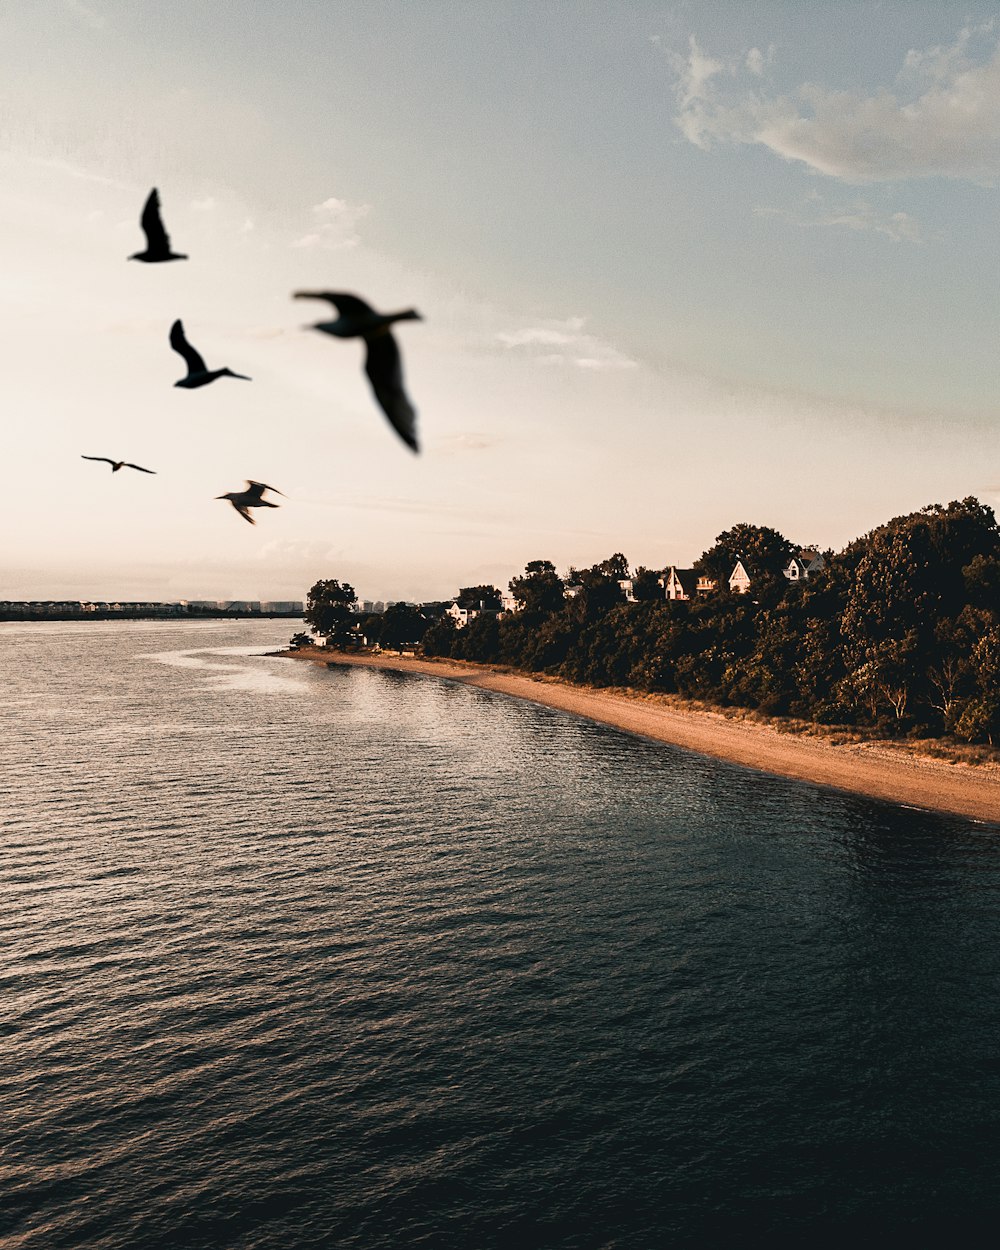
<point x="540" y="590"/>
<point x="330" y="606"/>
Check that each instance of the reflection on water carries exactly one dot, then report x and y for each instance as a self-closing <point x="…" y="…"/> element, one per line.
<point x="305" y="957"/>
<point x="243" y="676"/>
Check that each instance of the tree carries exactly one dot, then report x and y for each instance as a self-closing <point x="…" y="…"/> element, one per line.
<point x="329" y="609"/>
<point x="599" y="589"/>
<point x="647" y="586"/>
<point x="441" y="637"/>
<point x="484" y="597"/>
<point x="615" y="566"/>
<point x="299" y="640"/>
<point x="399" y="625"/>
<point x="540" y="590"/>
<point x="764" y="553"/>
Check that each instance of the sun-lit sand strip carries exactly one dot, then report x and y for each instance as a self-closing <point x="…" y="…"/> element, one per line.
<point x="879" y="770"/>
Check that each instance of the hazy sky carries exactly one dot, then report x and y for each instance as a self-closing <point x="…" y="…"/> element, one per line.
<point x="681" y="265"/>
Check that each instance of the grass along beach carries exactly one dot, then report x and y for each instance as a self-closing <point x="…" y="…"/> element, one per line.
<point x="896" y="772"/>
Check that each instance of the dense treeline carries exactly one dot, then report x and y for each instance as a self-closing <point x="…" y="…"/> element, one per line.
<point x="900" y="632"/>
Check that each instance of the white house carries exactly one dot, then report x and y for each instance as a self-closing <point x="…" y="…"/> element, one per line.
<point x="627" y="589"/>
<point x="685" y="584"/>
<point x="462" y="616"/>
<point x="739" y="579"/>
<point x="679" y="583"/>
<point x="801" y="567"/>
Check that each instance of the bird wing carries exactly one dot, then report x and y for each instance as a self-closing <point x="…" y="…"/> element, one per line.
<point x="129" y="465"/>
<point x="241" y="508"/>
<point x="103" y="459"/>
<point x="384" y="366"/>
<point x="257" y="489"/>
<point x="346" y="305"/>
<point x="157" y="239"/>
<point x="179" y="343"/>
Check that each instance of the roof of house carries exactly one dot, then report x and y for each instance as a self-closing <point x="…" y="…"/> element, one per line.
<point x="686" y="577"/>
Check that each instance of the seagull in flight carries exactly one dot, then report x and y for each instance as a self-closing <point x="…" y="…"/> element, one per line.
<point x="355" y="318"/>
<point x="383" y="361"/>
<point x="119" y="464"/>
<point x="252" y="497"/>
<point x="198" y="373"/>
<point x="157" y="239"/>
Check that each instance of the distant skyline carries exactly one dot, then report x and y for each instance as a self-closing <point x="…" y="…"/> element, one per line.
<point x="680" y="266"/>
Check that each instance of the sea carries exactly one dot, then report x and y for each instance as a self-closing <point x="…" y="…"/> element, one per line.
<point x="297" y="956"/>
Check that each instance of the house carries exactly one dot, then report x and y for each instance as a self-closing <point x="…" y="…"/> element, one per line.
<point x="679" y="583"/>
<point x="685" y="584"/>
<point x="739" y="579"/>
<point x="801" y="567"/>
<point x="509" y="603"/>
<point x="462" y="616"/>
<point x="626" y="587"/>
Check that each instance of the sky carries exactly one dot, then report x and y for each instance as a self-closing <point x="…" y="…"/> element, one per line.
<point x="679" y="266"/>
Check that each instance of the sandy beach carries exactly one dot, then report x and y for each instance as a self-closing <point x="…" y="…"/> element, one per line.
<point x="880" y="769"/>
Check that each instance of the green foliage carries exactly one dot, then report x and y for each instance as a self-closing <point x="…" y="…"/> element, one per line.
<point x="900" y="632"/>
<point x="540" y="590"/>
<point x="400" y="625"/>
<point x="330" y="606"/>
<point x="486" y="598"/>
<point x="299" y="640"/>
<point x="440" y="637"/>
<point x="764" y="553"/>
<point x="646" y="586"/>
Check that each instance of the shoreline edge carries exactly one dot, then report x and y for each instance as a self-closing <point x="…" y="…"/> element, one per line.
<point x="877" y="770"/>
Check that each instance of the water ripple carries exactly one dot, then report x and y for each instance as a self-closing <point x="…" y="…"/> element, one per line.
<point x="304" y="958"/>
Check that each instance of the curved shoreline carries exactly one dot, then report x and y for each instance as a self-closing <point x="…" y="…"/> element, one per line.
<point x="877" y="770"/>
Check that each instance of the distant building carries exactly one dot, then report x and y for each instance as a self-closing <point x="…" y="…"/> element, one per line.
<point x="286" y="607"/>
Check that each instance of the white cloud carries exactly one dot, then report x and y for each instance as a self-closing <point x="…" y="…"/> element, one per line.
<point x="860" y="216"/>
<point x="207" y="205"/>
<point x="334" y="225"/>
<point x="585" y="351"/>
<point x="755" y="61"/>
<point x="941" y="118"/>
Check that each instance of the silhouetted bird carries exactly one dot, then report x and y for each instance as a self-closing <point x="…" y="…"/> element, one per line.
<point x="252" y="497"/>
<point x="356" y="318"/>
<point x="157" y="239"/>
<point x="383" y="362"/>
<point x="198" y="373"/>
<point x="119" y="464"/>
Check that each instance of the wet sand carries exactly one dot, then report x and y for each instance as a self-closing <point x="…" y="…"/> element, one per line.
<point x="880" y="770"/>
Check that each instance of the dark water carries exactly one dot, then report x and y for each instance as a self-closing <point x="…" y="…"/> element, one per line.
<point x="297" y="958"/>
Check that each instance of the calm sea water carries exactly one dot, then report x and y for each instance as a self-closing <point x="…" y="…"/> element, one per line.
<point x="295" y="957"/>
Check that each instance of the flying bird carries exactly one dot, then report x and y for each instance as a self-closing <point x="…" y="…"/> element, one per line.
<point x="355" y="319"/>
<point x="252" y="497"/>
<point x="157" y="239"/>
<point x="383" y="361"/>
<point x="198" y="373"/>
<point x="119" y="464"/>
